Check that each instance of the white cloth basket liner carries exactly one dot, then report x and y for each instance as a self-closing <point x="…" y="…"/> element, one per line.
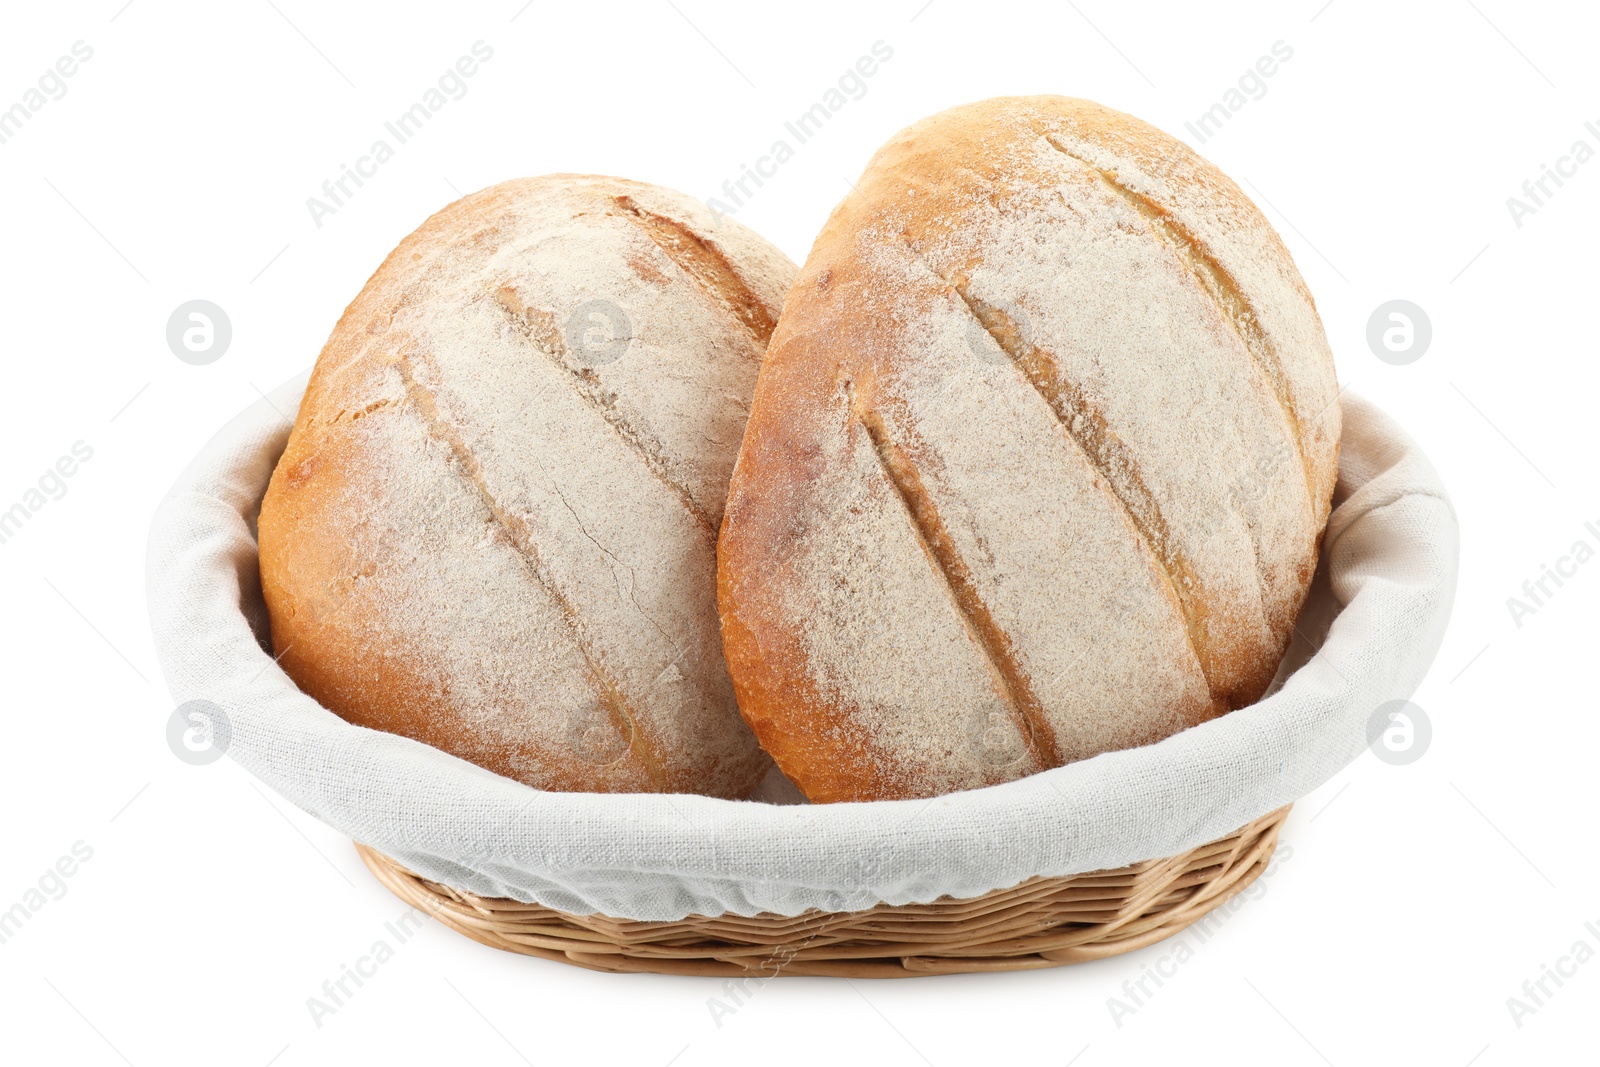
<point x="1368" y="634"/>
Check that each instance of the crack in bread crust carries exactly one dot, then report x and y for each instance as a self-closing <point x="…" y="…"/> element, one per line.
<point x="940" y="547"/>
<point x="538" y="327"/>
<point x="705" y="263"/>
<point x="1219" y="285"/>
<point x="467" y="465"/>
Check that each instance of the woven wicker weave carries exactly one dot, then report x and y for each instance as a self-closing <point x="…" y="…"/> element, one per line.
<point x="1043" y="922"/>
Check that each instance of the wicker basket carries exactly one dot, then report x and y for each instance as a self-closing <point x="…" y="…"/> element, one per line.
<point x="1042" y="922"/>
<point x="1393" y="554"/>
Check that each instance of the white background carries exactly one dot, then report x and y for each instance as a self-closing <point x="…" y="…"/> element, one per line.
<point x="1415" y="899"/>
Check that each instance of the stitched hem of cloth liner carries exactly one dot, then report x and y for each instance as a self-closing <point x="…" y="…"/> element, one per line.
<point x="1377" y="613"/>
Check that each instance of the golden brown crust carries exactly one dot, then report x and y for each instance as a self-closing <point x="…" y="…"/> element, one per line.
<point x="953" y="222"/>
<point x="482" y="538"/>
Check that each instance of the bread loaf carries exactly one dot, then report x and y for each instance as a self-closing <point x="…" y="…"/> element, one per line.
<point x="494" y="527"/>
<point x="1038" y="462"/>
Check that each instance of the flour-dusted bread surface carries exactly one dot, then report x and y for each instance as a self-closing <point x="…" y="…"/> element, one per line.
<point x="1038" y="462"/>
<point x="494" y="528"/>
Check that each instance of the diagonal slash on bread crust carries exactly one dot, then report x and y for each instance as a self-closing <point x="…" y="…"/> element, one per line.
<point x="539" y="329"/>
<point x="470" y="469"/>
<point x="1116" y="468"/>
<point x="940" y="547"/>
<point x="705" y="263"/>
<point x="1220" y="287"/>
